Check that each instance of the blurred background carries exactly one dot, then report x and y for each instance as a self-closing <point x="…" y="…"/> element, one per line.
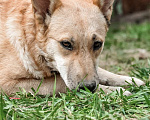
<point x="127" y="46"/>
<point x="131" y="10"/>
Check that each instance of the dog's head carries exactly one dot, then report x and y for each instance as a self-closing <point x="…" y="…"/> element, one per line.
<point x="74" y="37"/>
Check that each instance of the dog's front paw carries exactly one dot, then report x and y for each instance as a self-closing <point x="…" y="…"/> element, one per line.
<point x="127" y="93"/>
<point x="110" y="89"/>
<point x="133" y="80"/>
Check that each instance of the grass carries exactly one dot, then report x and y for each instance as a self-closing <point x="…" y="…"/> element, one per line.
<point x="98" y="106"/>
<point x="122" y="47"/>
<point x="128" y="36"/>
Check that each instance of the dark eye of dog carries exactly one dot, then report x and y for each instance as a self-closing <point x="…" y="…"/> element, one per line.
<point x="67" y="45"/>
<point x="97" y="45"/>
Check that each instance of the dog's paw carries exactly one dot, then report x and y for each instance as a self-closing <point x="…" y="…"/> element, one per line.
<point x="137" y="81"/>
<point x="127" y="93"/>
<point x="110" y="89"/>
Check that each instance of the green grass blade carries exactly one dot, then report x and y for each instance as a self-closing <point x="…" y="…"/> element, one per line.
<point x="1" y="107"/>
<point x="147" y="100"/>
<point x="38" y="87"/>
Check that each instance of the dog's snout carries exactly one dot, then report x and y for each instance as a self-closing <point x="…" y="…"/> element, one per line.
<point x="92" y="86"/>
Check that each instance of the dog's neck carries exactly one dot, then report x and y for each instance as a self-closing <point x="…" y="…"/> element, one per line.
<point x="37" y="47"/>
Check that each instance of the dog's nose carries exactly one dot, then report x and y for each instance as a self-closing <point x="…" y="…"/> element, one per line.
<point x="92" y="87"/>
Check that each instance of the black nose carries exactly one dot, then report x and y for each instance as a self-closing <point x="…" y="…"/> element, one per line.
<point x="92" y="87"/>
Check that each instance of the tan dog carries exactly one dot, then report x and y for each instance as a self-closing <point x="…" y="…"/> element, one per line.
<point x="38" y="37"/>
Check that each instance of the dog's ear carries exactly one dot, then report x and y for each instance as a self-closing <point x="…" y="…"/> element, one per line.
<point x="44" y="7"/>
<point x="106" y="6"/>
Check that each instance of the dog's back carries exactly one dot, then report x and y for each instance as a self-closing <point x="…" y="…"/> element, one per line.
<point x="11" y="10"/>
<point x="11" y="25"/>
<point x="3" y="6"/>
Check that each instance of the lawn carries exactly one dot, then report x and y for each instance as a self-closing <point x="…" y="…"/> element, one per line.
<point x="127" y="51"/>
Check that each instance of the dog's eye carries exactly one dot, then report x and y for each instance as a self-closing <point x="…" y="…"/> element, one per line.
<point x="67" y="45"/>
<point x="97" y="45"/>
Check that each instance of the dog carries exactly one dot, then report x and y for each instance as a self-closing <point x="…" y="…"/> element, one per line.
<point x="41" y="37"/>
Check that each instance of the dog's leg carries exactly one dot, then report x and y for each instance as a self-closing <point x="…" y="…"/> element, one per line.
<point x="111" y="79"/>
<point x="46" y="87"/>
